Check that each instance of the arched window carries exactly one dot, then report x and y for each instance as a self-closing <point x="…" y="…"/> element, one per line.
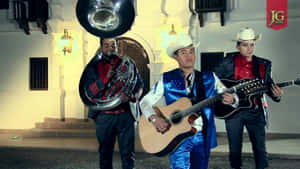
<point x="133" y="49"/>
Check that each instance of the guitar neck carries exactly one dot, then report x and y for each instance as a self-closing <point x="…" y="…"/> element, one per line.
<point x="200" y="105"/>
<point x="266" y="88"/>
<point x="209" y="101"/>
<point x="197" y="107"/>
<point x="286" y="84"/>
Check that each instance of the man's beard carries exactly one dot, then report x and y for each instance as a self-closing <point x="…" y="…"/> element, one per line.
<point x="110" y="56"/>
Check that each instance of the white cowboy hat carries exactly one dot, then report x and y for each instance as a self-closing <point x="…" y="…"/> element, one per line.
<point x="182" y="41"/>
<point x="247" y="34"/>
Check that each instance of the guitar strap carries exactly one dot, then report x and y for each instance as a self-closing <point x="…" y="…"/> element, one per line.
<point x="196" y="96"/>
<point x="198" y="93"/>
<point x="255" y="69"/>
<point x="198" y="89"/>
<point x="262" y="102"/>
<point x="256" y="73"/>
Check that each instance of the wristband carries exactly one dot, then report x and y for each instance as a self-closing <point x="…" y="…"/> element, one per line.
<point x="153" y="120"/>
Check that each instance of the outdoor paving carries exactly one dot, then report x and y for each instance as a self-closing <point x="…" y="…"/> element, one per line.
<point x="17" y="152"/>
<point x="44" y="158"/>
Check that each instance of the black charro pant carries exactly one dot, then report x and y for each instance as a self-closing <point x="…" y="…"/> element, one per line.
<point x="254" y="122"/>
<point x="110" y="127"/>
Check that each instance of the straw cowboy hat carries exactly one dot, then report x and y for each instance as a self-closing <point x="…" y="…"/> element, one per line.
<point x="182" y="41"/>
<point x="247" y="34"/>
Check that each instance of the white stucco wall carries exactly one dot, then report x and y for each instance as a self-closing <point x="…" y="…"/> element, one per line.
<point x="279" y="46"/>
<point x="21" y="108"/>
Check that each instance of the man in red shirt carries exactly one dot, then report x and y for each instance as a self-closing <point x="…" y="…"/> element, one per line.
<point x="241" y="65"/>
<point x="98" y="81"/>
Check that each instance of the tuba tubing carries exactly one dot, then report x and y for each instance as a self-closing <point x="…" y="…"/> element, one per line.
<point x="126" y="73"/>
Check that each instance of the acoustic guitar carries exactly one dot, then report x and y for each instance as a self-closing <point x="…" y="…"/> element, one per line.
<point x="177" y="115"/>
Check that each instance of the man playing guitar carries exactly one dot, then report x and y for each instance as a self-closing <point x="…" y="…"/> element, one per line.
<point x="241" y="65"/>
<point x="185" y="81"/>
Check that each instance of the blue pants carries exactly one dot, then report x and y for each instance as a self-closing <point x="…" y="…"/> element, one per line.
<point x="191" y="154"/>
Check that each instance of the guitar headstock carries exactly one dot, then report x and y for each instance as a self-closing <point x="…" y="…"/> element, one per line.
<point x="297" y="81"/>
<point x="250" y="86"/>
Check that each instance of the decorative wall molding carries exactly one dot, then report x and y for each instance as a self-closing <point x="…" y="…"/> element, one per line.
<point x="147" y="46"/>
<point x="255" y="10"/>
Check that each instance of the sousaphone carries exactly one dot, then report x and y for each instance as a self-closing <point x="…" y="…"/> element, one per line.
<point x="105" y="18"/>
<point x="124" y="79"/>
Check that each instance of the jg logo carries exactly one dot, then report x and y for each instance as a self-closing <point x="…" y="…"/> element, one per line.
<point x="277" y="17"/>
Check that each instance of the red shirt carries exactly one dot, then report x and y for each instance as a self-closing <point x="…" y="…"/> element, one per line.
<point x="103" y="70"/>
<point x="243" y="68"/>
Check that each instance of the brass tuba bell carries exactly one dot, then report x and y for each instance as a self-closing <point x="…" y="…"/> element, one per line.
<point x="105" y="18"/>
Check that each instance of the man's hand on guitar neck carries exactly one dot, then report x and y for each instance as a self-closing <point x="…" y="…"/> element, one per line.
<point x="160" y="124"/>
<point x="276" y="91"/>
<point x="228" y="98"/>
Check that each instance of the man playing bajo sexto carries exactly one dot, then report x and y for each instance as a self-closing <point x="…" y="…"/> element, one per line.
<point x="245" y="65"/>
